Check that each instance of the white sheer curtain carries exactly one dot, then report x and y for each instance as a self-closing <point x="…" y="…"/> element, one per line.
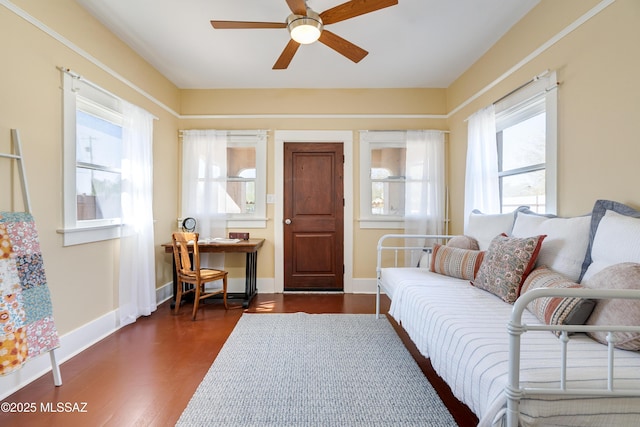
<point x="481" y="182"/>
<point x="424" y="186"/>
<point x="204" y="192"/>
<point x="137" y="288"/>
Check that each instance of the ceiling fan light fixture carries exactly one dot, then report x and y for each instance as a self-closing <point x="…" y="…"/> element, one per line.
<point x="305" y="29"/>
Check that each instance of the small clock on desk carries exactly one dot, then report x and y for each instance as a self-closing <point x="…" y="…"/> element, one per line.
<point x="189" y="225"/>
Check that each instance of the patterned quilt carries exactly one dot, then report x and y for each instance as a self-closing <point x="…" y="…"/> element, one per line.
<point x="26" y="315"/>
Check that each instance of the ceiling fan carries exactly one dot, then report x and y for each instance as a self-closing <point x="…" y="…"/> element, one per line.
<point x="306" y="26"/>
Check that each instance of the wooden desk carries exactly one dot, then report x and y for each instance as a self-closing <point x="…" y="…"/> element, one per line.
<point x="250" y="247"/>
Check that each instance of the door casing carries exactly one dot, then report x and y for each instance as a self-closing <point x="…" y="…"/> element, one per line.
<point x="344" y="137"/>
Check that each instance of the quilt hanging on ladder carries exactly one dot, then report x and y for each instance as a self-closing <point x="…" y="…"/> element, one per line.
<point x="26" y="315"/>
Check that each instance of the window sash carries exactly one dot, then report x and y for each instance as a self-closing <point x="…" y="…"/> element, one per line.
<point x="537" y="97"/>
<point x="257" y="141"/>
<point x="389" y="218"/>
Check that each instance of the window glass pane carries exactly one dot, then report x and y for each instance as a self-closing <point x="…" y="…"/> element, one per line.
<point x="526" y="189"/>
<point x="387" y="197"/>
<point x="98" y="194"/>
<point x="388" y="159"/>
<point x="388" y="176"/>
<point x="240" y="159"/>
<point x="242" y="196"/>
<point x="99" y="146"/>
<point x="98" y="141"/>
<point x="241" y="185"/>
<point x="377" y="198"/>
<point x="524" y="143"/>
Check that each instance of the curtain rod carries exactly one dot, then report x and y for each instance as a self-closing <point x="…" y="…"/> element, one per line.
<point x="243" y="132"/>
<point x="79" y="77"/>
<point x="404" y="130"/>
<point x="522" y="86"/>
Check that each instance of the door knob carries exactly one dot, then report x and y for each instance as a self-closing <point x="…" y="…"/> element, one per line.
<point x="287" y="221"/>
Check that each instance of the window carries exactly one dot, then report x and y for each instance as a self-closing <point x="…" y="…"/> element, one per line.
<point x="526" y="138"/>
<point x="229" y="181"/>
<point x="387" y="180"/>
<point x="93" y="131"/>
<point x="246" y="179"/>
<point x="383" y="178"/>
<point x="402" y="176"/>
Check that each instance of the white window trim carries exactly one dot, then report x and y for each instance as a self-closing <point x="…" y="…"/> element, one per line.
<point x="546" y="84"/>
<point x="368" y="139"/>
<point x="73" y="231"/>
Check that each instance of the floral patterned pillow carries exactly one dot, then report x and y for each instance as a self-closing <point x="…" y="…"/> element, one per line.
<point x="506" y="264"/>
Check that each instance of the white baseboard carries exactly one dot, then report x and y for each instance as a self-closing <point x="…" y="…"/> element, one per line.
<point x="364" y="286"/>
<point x="265" y="285"/>
<point x="235" y="285"/>
<point x="164" y="292"/>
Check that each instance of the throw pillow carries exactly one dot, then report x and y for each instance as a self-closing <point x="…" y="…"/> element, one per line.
<point x="463" y="242"/>
<point x="616" y="240"/>
<point x="566" y="243"/>
<point x="456" y="262"/>
<point x="625" y="312"/>
<point x="556" y="310"/>
<point x="506" y="265"/>
<point x="605" y="241"/>
<point x="484" y="227"/>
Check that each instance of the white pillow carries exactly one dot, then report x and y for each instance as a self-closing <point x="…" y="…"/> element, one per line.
<point x="566" y="244"/>
<point x="617" y="240"/>
<point x="485" y="227"/>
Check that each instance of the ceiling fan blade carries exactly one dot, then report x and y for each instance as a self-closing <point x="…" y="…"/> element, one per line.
<point x="342" y="46"/>
<point x="225" y="25"/>
<point x="298" y="7"/>
<point x="353" y="8"/>
<point x="287" y="55"/>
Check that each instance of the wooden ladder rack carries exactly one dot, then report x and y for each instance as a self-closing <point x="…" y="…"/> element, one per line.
<point x="17" y="156"/>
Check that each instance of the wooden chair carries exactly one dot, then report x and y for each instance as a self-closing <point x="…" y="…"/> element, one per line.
<point x="195" y="276"/>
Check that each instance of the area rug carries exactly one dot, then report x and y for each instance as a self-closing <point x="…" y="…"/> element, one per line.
<point x="314" y="370"/>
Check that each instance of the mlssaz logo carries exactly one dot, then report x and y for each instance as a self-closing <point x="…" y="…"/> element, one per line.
<point x="80" y="407"/>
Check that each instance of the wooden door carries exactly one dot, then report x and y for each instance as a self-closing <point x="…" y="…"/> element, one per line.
<point x="313" y="216"/>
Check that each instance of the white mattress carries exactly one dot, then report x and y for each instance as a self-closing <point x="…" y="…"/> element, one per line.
<point x="392" y="278"/>
<point x="463" y="330"/>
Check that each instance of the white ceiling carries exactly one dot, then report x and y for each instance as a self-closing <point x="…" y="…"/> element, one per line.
<point x="416" y="43"/>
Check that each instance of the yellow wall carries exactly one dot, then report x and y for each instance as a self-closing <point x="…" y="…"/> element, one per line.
<point x="599" y="112"/>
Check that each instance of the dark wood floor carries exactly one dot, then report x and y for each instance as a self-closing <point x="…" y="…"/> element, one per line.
<point x="145" y="373"/>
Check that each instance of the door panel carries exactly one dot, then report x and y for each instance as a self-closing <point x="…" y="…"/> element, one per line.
<point x="314" y="204"/>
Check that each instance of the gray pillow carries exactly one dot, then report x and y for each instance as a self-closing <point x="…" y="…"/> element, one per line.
<point x="624" y="312"/>
<point x="463" y="242"/>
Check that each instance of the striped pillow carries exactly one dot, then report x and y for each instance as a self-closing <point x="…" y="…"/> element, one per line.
<point x="556" y="310"/>
<point x="456" y="262"/>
